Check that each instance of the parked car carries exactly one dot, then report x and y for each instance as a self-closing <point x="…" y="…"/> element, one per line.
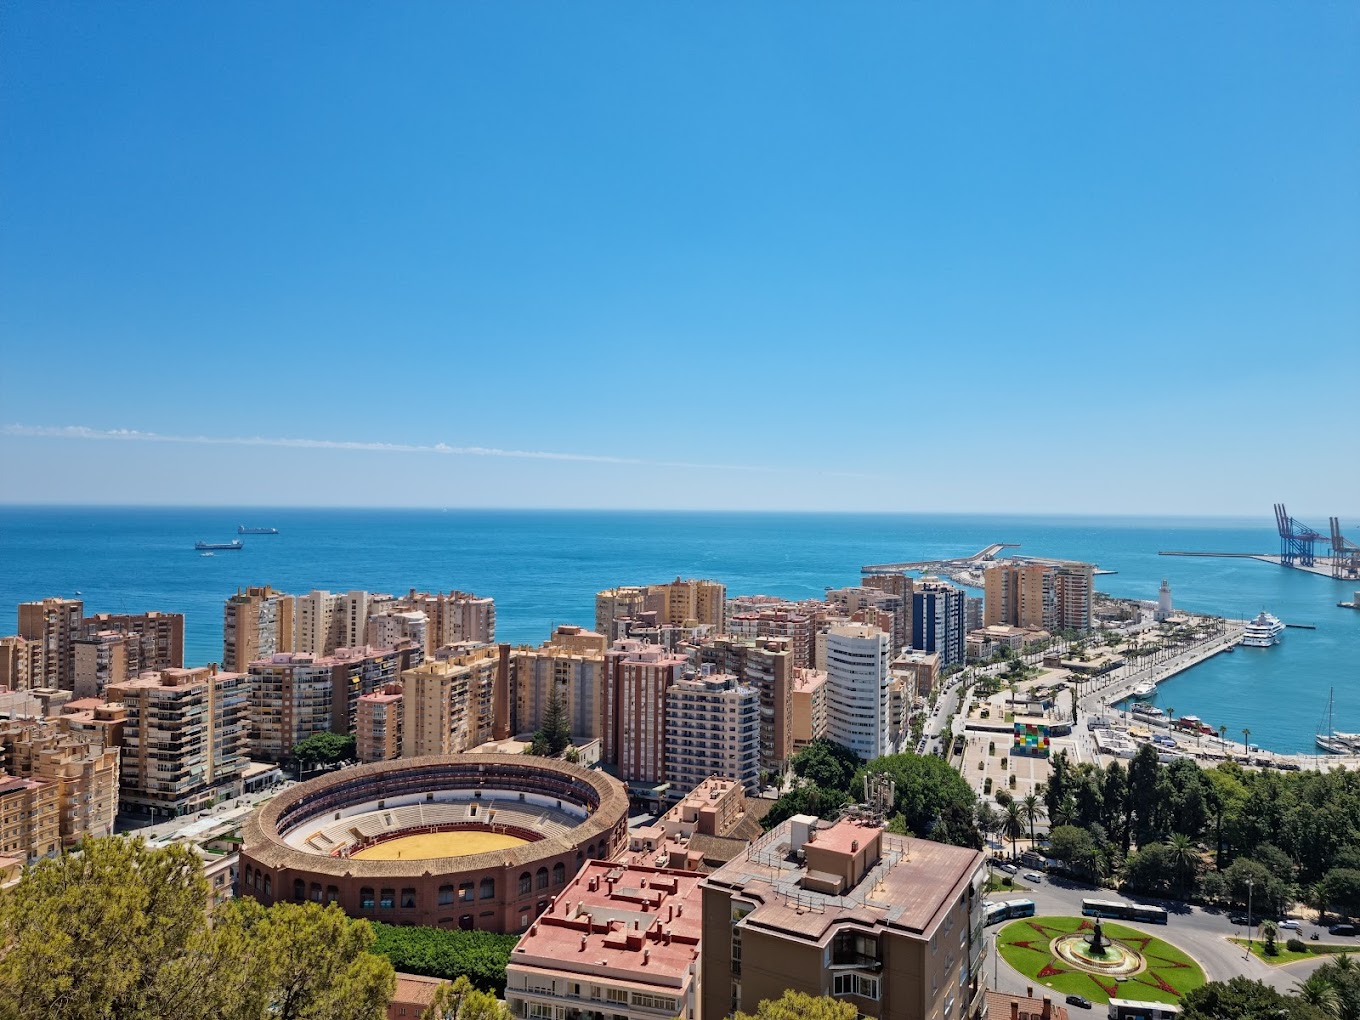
<point x="1341" y="929"/>
<point x="1009" y="869"/>
<point x="1289" y="924"/>
<point x="1079" y="1000"/>
<point x="1237" y="918"/>
<point x="1033" y="876"/>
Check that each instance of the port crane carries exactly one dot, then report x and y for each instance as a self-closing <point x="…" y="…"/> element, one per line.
<point x="1296" y="539"/>
<point x="1345" y="553"/>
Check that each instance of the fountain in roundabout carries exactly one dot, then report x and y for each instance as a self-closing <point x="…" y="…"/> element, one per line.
<point x="1097" y="954"/>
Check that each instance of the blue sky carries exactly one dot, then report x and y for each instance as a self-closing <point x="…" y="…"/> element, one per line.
<point x="1022" y="257"/>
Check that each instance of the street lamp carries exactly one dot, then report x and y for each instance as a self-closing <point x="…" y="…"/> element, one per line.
<point x="1249" y="885"/>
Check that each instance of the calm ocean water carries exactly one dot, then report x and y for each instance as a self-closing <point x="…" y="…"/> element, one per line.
<point x="543" y="568"/>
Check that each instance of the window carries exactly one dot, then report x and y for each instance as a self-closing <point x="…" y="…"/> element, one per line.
<point x="387" y="899"/>
<point x="526" y="883"/>
<point x="660" y="1002"/>
<point x="488" y="889"/>
<point x="616" y="995"/>
<point x="538" y="1011"/>
<point x="332" y="894"/>
<point x="408" y="898"/>
<point x="445" y="895"/>
<point x="366" y="898"/>
<point x="268" y="886"/>
<point x="855" y="984"/>
<point x="559" y="873"/>
<point x="465" y="892"/>
<point x="316" y="891"/>
<point x="541" y="878"/>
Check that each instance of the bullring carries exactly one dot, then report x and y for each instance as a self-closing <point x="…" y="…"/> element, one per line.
<point x="361" y="837"/>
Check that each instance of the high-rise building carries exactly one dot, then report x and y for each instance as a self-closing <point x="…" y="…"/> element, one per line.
<point x="78" y="764"/>
<point x="857" y="680"/>
<point x="809" y="708"/>
<point x="624" y="602"/>
<point x="154" y="640"/>
<point x="712" y="729"/>
<point x="797" y="625"/>
<point x="571" y="663"/>
<point x="21" y="663"/>
<point x="766" y="665"/>
<point x="618" y="943"/>
<point x="101" y="658"/>
<point x="317" y="620"/>
<point x="1039" y="596"/>
<point x="456" y="702"/>
<point x="852" y="601"/>
<point x="55" y="624"/>
<point x="453" y="619"/>
<point x="186" y="739"/>
<point x="691" y="603"/>
<point x="889" y="924"/>
<point x="390" y="627"/>
<point x="256" y="624"/>
<point x="377" y="733"/>
<point x="1075" y="590"/>
<point x="637" y="677"/>
<point x="937" y="623"/>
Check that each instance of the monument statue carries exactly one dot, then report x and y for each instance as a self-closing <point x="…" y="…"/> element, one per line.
<point x="1097" y="941"/>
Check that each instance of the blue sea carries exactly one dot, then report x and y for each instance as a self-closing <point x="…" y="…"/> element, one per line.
<point x="543" y="568"/>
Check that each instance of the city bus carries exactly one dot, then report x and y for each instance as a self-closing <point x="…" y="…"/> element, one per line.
<point x="1119" y="910"/>
<point x="995" y="913"/>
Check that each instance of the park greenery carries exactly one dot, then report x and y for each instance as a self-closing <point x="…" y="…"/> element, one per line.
<point x="479" y="956"/>
<point x="460" y="1000"/>
<point x="1169" y="972"/>
<point x="321" y="749"/>
<point x="1216" y="835"/>
<point x="801" y="1006"/>
<point x="120" y="931"/>
<point x="931" y="799"/>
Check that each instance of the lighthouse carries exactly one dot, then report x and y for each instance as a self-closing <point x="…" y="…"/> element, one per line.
<point x="1163" y="602"/>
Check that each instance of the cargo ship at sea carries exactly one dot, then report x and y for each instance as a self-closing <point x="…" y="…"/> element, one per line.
<point x="238" y="544"/>
<point x="241" y="529"/>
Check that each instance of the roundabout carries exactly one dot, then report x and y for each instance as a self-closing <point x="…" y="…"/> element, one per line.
<point x="1085" y="956"/>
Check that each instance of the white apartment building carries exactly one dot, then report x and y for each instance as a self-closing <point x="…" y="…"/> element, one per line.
<point x="857" y="689"/>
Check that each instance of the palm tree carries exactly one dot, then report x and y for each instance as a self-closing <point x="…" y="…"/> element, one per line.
<point x="1065" y="810"/>
<point x="1031" y="811"/>
<point x="1343" y="963"/>
<point x="1222" y="734"/>
<point x="1013" y="823"/>
<point x="1184" y="856"/>
<point x="1246" y="735"/>
<point x="1318" y="992"/>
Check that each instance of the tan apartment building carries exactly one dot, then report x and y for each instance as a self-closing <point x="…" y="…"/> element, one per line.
<point x="83" y="772"/>
<point x="377" y="732"/>
<point x="767" y="665"/>
<point x="391" y="627"/>
<point x="619" y="943"/>
<point x="689" y="603"/>
<point x="637" y="677"/>
<point x="795" y="625"/>
<point x="1039" y="596"/>
<point x="919" y="669"/>
<point x="185" y="740"/>
<point x="256" y="624"/>
<point x="30" y="818"/>
<point x="456" y="618"/>
<point x="890" y="924"/>
<point x="101" y="658"/>
<point x="456" y="702"/>
<point x="571" y="663"/>
<point x="712" y="729"/>
<point x="55" y="624"/>
<point x="153" y="640"/>
<point x="613" y="604"/>
<point x="808" y="707"/>
<point x="21" y="663"/>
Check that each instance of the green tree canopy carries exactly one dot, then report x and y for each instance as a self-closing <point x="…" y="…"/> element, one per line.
<point x="554" y="736"/>
<point x="119" y="931"/>
<point x="801" y="1006"/>
<point x="926" y="786"/>
<point x="1244" y="999"/>
<point x="324" y="749"/>
<point x="808" y="799"/>
<point x="827" y="764"/>
<point x="459" y="1000"/>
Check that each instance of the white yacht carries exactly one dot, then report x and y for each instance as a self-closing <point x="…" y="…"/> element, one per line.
<point x="1144" y="690"/>
<point x="1263" y="631"/>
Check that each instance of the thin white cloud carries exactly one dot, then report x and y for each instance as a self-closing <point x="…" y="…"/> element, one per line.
<point x="81" y="432"/>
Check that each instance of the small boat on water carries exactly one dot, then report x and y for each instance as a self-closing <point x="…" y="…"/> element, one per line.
<point x="1144" y="690"/>
<point x="1262" y="632"/>
<point x="207" y="554"/>
<point x="1330" y="740"/>
<point x="241" y="529"/>
<point x="237" y="544"/>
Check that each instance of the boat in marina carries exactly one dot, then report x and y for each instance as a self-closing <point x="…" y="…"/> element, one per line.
<point x="1148" y="712"/>
<point x="1330" y="740"/>
<point x="1144" y="690"/>
<point x="1262" y="632"/>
